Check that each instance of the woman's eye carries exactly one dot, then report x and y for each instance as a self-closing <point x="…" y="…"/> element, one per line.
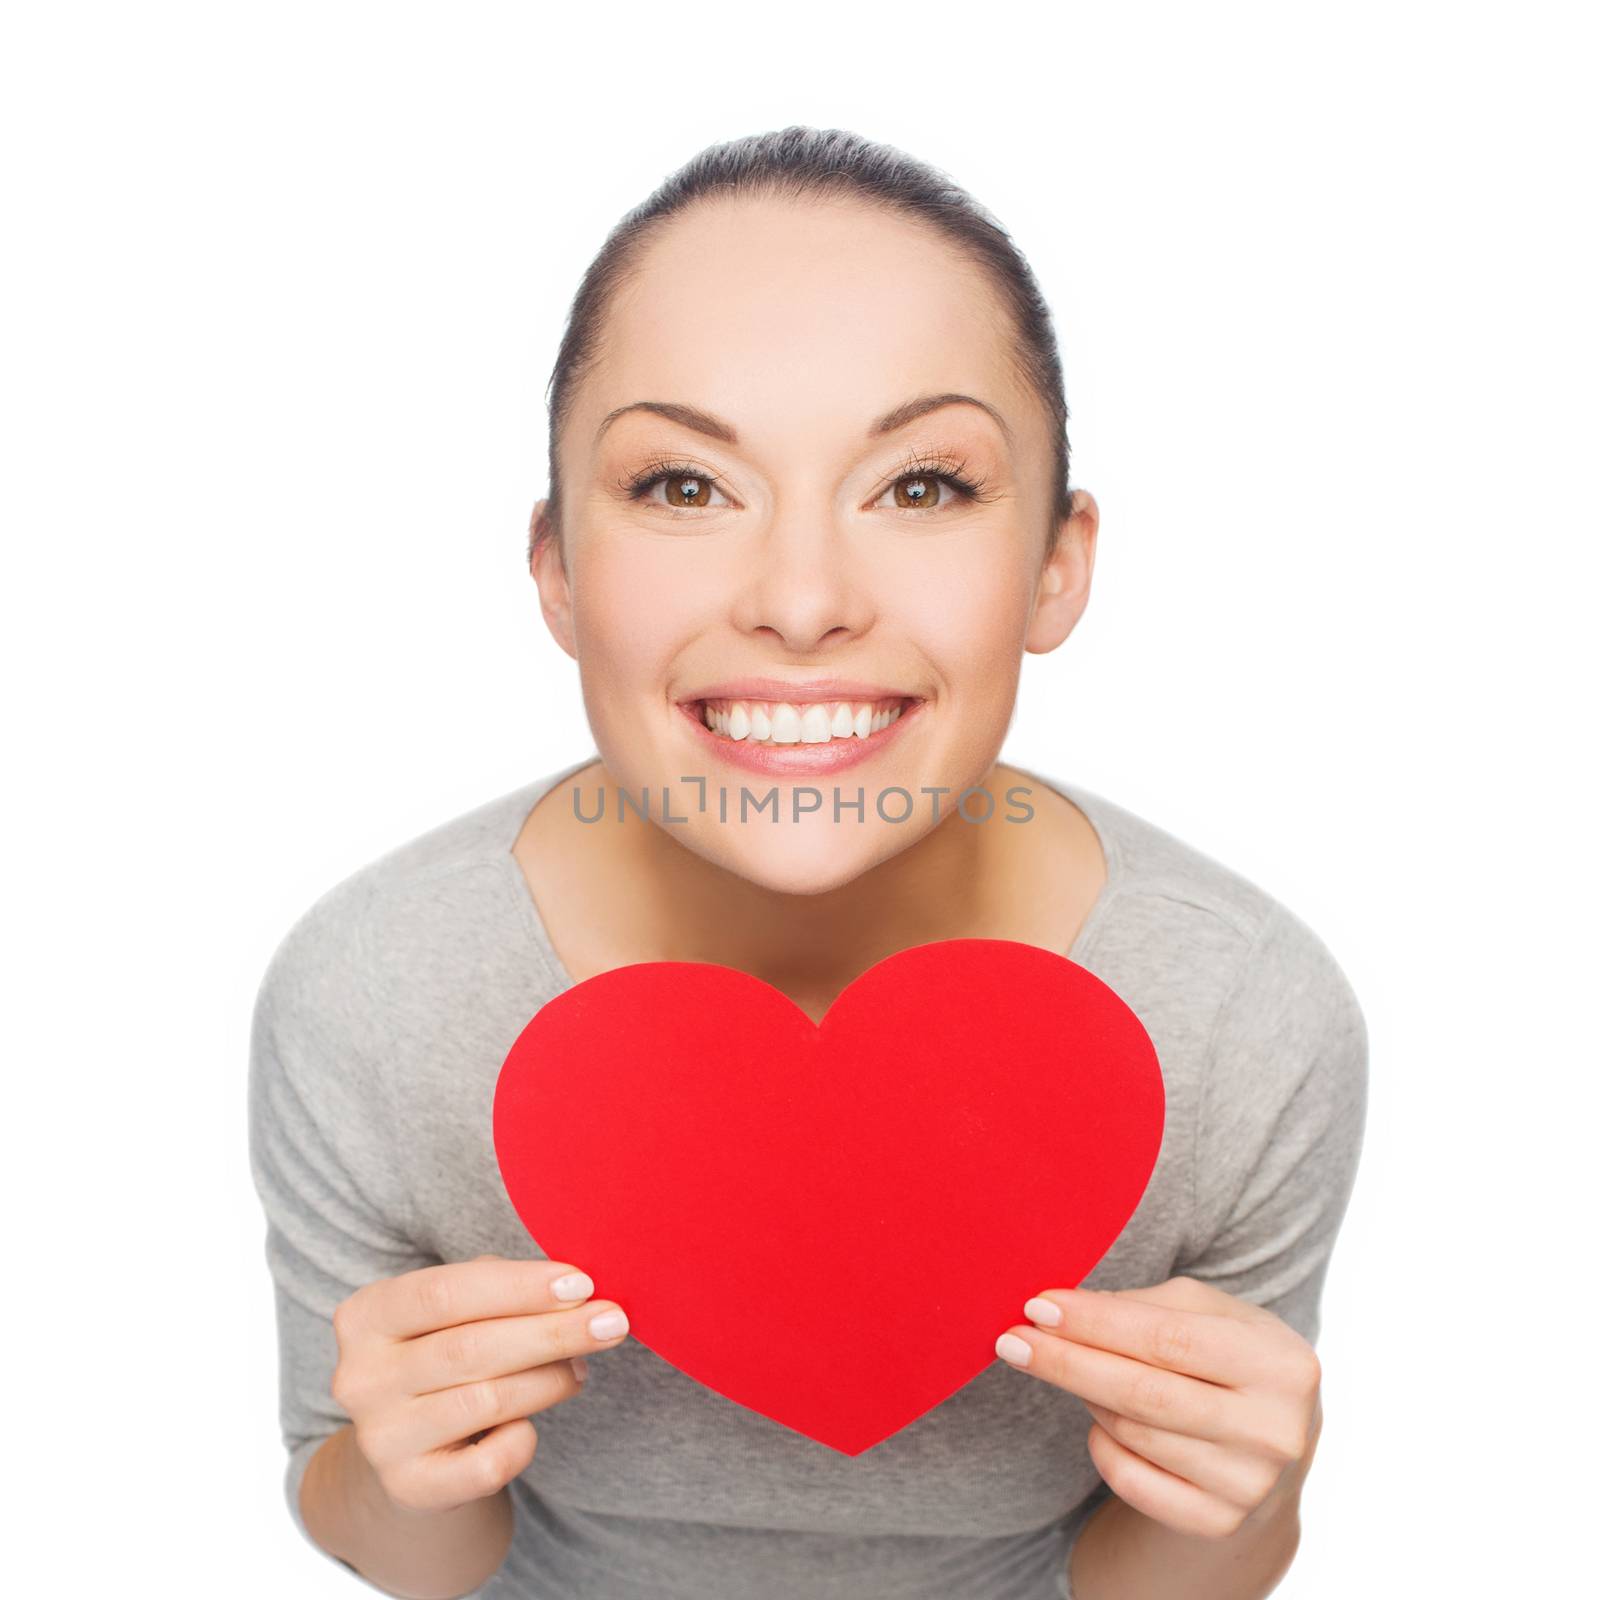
<point x="681" y="491"/>
<point x="926" y="491"/>
<point x="685" y="489"/>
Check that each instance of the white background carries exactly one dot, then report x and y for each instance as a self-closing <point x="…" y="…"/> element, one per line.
<point x="285" y="287"/>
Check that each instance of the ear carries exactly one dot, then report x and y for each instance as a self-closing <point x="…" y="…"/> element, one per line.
<point x="1063" y="590"/>
<point x="550" y="574"/>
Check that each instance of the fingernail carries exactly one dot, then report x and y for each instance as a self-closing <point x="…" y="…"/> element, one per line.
<point x="608" y="1325"/>
<point x="1010" y="1348"/>
<point x="580" y="1368"/>
<point x="574" y="1286"/>
<point x="1045" y="1312"/>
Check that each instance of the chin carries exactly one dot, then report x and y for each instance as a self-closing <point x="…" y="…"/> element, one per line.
<point x="800" y="861"/>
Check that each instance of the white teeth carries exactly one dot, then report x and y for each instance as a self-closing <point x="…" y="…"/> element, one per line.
<point x="808" y="722"/>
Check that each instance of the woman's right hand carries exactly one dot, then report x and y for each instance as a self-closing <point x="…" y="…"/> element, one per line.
<point x="440" y="1368"/>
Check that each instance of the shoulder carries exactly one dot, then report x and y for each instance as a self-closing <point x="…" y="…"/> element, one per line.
<point x="1278" y="1017"/>
<point x="415" y="916"/>
<point x="1147" y="862"/>
<point x="1259" y="1025"/>
<point x="1251" y="988"/>
<point x="1188" y="903"/>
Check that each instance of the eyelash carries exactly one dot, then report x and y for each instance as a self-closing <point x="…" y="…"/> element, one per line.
<point x="973" y="488"/>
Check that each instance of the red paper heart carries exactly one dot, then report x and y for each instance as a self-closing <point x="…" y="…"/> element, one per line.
<point x="832" y="1224"/>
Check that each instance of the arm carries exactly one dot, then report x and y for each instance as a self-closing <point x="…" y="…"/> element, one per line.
<point x="1121" y="1554"/>
<point x="1277" y="1144"/>
<point x="336" y="1220"/>
<point x="421" y="1555"/>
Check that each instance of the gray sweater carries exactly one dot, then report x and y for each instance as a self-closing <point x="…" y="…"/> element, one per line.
<point x="381" y="1024"/>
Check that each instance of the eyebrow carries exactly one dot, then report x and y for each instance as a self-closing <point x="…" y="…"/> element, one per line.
<point x="890" y="422"/>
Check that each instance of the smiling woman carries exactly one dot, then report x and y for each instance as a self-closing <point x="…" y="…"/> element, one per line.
<point x="808" y="510"/>
<point x="809" y="403"/>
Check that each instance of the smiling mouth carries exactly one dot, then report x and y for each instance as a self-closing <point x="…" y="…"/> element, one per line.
<point x="777" y="723"/>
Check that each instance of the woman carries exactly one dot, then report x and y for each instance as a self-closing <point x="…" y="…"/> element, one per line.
<point x="808" y="506"/>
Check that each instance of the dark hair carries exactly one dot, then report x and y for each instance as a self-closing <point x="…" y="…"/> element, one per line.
<point x="801" y="162"/>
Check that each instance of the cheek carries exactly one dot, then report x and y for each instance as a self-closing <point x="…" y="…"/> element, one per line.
<point x="971" y="619"/>
<point x="634" y="605"/>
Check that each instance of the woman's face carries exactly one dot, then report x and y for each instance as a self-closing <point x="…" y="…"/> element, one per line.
<point x="761" y="512"/>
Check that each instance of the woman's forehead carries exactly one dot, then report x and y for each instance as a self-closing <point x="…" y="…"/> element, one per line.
<point x="750" y="312"/>
<point x="757" y="271"/>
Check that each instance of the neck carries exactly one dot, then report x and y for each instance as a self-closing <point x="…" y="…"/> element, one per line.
<point x="957" y="881"/>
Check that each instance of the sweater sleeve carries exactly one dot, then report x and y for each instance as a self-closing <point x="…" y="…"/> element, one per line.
<point x="320" y="1142"/>
<point x="1279" y="1131"/>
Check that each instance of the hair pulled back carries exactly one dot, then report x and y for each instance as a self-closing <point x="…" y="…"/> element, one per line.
<point x="802" y="163"/>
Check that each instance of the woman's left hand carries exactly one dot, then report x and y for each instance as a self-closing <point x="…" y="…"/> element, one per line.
<point x="1206" y="1408"/>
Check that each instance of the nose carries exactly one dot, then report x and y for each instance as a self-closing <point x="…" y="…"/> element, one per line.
<point x="801" y="585"/>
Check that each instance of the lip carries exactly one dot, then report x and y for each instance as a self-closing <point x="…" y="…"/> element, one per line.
<point x="796" y="693"/>
<point x="796" y="760"/>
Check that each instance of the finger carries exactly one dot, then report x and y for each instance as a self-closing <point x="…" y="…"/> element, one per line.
<point x="1200" y="1344"/>
<point x="1158" y="1493"/>
<point x="1131" y="1388"/>
<point x="494" y="1346"/>
<point x="431" y="1298"/>
<point x="1233" y="1475"/>
<point x="448" y="1478"/>
<point x="451" y="1416"/>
